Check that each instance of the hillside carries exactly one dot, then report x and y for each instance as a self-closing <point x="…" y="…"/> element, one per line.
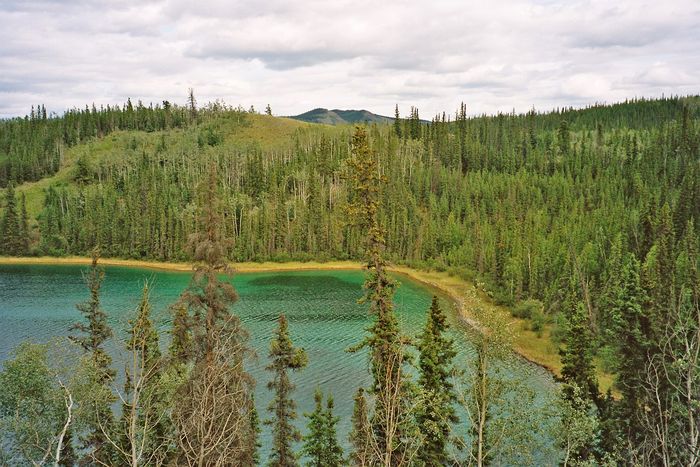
<point x="340" y="117"/>
<point x="581" y="224"/>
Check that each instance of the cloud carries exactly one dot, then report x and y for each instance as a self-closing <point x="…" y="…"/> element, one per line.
<point x="509" y="54"/>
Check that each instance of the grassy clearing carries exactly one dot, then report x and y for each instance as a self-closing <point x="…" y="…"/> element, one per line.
<point x="539" y="350"/>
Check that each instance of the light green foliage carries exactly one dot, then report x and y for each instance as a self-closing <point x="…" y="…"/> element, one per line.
<point x="46" y="388"/>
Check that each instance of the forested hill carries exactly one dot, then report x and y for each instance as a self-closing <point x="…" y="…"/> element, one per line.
<point x="522" y="203"/>
<point x="340" y="117"/>
<point x="584" y="221"/>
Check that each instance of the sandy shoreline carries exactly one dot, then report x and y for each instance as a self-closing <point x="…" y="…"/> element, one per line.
<point x="464" y="294"/>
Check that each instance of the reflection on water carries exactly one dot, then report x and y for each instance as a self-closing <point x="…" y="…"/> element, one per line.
<point x="38" y="302"/>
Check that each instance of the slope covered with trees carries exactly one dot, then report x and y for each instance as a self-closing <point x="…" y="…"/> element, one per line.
<point x="586" y="221"/>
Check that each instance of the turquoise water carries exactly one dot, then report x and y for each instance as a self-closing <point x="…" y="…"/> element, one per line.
<point x="37" y="302"/>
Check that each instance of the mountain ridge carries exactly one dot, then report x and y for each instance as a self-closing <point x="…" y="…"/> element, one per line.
<point x="340" y="117"/>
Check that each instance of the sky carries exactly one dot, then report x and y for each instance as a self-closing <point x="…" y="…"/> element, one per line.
<point x="495" y="56"/>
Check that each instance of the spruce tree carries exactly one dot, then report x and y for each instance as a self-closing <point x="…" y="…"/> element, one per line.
<point x="12" y="241"/>
<point x="283" y="357"/>
<point x="397" y="122"/>
<point x="321" y="444"/>
<point x="143" y="429"/>
<point x="360" y="435"/>
<point x="24" y="225"/>
<point x="207" y="334"/>
<point x="93" y="336"/>
<point x="577" y="354"/>
<point x="437" y="412"/>
<point x="385" y="341"/>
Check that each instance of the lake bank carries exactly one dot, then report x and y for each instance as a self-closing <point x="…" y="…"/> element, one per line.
<point x="539" y="350"/>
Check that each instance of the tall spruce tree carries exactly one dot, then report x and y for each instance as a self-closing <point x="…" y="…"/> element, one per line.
<point x="437" y="412"/>
<point x="213" y="338"/>
<point x="143" y="429"/>
<point x="385" y="342"/>
<point x="577" y="354"/>
<point x="360" y="442"/>
<point x="23" y="224"/>
<point x="92" y="338"/>
<point x="321" y="443"/>
<point x="283" y="358"/>
<point x="11" y="233"/>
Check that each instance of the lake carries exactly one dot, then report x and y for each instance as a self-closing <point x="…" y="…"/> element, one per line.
<point x="37" y="302"/>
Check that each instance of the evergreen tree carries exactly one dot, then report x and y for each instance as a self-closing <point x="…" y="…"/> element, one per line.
<point x="94" y="335"/>
<point x="321" y="444"/>
<point x="577" y="354"/>
<point x="437" y="412"/>
<point x="283" y="357"/>
<point x="360" y="435"/>
<point x="384" y="341"/>
<point x="397" y="122"/>
<point x="143" y="429"/>
<point x="24" y="224"/>
<point x="268" y="110"/>
<point x="211" y="336"/>
<point x="11" y="234"/>
<point x="207" y="298"/>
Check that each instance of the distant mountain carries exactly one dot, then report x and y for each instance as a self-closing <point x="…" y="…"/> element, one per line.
<point x="340" y="117"/>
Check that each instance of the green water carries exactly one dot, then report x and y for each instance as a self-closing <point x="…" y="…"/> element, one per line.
<point x="37" y="302"/>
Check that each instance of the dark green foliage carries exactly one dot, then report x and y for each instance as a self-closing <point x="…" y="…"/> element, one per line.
<point x="384" y="341"/>
<point x="577" y="354"/>
<point x="32" y="147"/>
<point x="96" y="331"/>
<point x="360" y="442"/>
<point x="437" y="412"/>
<point x="92" y="340"/>
<point x="507" y="200"/>
<point x="321" y="443"/>
<point x="13" y="239"/>
<point x="283" y="357"/>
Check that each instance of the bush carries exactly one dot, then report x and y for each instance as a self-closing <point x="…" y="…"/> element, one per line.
<point x="527" y="309"/>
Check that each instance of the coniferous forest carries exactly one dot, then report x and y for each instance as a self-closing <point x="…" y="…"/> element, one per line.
<point x="584" y="222"/>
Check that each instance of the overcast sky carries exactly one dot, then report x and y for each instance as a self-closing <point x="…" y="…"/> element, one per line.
<point x="495" y="55"/>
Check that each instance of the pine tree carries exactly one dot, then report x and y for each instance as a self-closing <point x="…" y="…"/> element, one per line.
<point x="180" y="348"/>
<point x="397" y="122"/>
<point x="268" y="110"/>
<point x="24" y="224"/>
<point x="283" y="357"/>
<point x="11" y="233"/>
<point x="360" y="436"/>
<point x="321" y="444"/>
<point x="207" y="298"/>
<point x="213" y="338"/>
<point x="143" y="430"/>
<point x="577" y="354"/>
<point x="437" y="412"/>
<point x="384" y="341"/>
<point x="94" y="335"/>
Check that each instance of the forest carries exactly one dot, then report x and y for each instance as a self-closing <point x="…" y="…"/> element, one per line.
<point x="582" y="221"/>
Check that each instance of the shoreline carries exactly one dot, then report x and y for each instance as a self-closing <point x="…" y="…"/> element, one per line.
<point x="536" y="350"/>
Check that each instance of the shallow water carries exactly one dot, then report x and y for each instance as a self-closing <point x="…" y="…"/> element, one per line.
<point x="37" y="302"/>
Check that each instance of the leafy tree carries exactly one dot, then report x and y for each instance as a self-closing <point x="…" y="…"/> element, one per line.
<point x="283" y="357"/>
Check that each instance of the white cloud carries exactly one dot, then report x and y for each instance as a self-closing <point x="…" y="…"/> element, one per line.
<point x="346" y="54"/>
